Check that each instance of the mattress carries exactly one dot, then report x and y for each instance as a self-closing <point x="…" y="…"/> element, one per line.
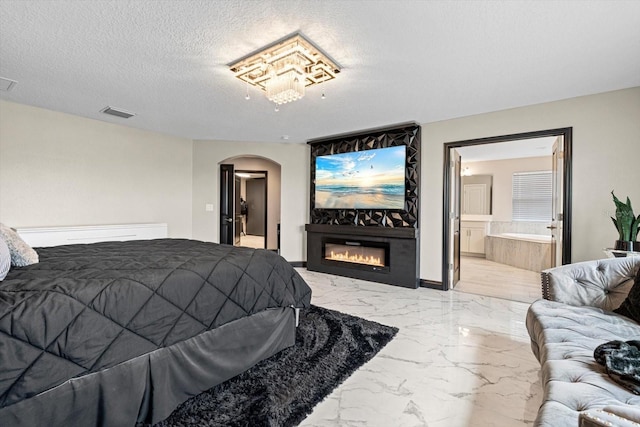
<point x="104" y="317"/>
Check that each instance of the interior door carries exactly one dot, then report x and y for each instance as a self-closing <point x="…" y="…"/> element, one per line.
<point x="227" y="202"/>
<point x="256" y="200"/>
<point x="557" y="201"/>
<point x="454" y="215"/>
<point x="475" y="199"/>
<point x="237" y="225"/>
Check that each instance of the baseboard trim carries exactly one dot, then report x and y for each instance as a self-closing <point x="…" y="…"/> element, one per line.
<point x="424" y="283"/>
<point x="298" y="263"/>
<point x="431" y="284"/>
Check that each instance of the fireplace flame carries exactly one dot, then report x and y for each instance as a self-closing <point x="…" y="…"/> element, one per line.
<point x="358" y="258"/>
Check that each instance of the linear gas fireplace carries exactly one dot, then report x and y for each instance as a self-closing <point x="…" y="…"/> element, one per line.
<point x="362" y="254"/>
<point x="385" y="255"/>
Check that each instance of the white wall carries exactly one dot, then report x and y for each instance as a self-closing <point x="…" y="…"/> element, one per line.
<point x="502" y="172"/>
<point x="59" y="169"/>
<point x="606" y="149"/>
<point x="294" y="163"/>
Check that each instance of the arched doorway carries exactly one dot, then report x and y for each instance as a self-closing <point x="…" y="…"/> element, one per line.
<point x="250" y="191"/>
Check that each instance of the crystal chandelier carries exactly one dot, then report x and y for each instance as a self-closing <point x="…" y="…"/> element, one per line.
<point x="285" y="68"/>
<point x="285" y="86"/>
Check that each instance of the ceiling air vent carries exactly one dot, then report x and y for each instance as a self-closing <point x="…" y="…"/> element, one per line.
<point x="7" y="84"/>
<point x="117" y="112"/>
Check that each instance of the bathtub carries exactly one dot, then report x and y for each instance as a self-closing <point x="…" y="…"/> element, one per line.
<point x="538" y="238"/>
<point x="526" y="251"/>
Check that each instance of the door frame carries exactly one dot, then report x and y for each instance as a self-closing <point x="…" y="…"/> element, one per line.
<point x="449" y="180"/>
<point x="227" y="203"/>
<point x="237" y="230"/>
<point x="455" y="234"/>
<point x="266" y="199"/>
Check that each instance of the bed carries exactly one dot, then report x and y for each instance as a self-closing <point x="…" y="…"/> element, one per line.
<point x="119" y="333"/>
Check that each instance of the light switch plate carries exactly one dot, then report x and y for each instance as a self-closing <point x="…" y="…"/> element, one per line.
<point x="208" y="207"/>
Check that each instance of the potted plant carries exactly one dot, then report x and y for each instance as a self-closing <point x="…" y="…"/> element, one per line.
<point x="627" y="225"/>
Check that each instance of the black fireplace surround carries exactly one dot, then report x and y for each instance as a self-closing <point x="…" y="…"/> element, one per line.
<point x="396" y="230"/>
<point x="402" y="264"/>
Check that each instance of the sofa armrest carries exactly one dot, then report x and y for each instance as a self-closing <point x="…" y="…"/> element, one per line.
<point x="614" y="416"/>
<point x="602" y="283"/>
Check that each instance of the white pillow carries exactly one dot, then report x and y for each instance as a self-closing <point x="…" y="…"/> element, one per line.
<point x="21" y="253"/>
<point x="5" y="259"/>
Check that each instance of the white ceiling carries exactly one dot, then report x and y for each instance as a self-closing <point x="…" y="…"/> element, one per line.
<point x="403" y="60"/>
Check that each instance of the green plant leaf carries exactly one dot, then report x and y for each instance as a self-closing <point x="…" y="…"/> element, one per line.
<point x="618" y="229"/>
<point x="625" y="220"/>
<point x="635" y="227"/>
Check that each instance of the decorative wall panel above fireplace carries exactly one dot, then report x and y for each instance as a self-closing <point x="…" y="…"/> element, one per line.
<point x="362" y="186"/>
<point x="364" y="205"/>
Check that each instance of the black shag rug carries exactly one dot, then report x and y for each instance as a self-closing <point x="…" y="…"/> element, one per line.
<point x="283" y="389"/>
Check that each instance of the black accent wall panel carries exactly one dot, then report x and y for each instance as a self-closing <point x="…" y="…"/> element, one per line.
<point x="405" y="134"/>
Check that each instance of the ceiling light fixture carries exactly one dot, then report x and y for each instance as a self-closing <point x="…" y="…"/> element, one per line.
<point x="285" y="68"/>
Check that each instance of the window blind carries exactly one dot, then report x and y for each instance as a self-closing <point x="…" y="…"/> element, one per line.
<point x="531" y="196"/>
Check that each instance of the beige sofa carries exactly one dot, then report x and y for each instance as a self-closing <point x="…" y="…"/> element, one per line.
<point x="566" y="326"/>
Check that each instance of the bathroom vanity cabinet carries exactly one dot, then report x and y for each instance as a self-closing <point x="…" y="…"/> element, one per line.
<point x="472" y="234"/>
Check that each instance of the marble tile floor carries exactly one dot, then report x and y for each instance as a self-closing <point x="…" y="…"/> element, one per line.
<point x="458" y="359"/>
<point x="482" y="277"/>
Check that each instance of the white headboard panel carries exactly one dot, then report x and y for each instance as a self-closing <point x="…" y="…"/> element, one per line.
<point x="54" y="236"/>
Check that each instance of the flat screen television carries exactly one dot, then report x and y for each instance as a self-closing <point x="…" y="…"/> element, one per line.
<point x="370" y="179"/>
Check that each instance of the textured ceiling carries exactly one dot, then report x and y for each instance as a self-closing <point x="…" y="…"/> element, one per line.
<point x="403" y="60"/>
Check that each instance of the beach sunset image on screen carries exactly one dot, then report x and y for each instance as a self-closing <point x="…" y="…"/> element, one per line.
<point x="370" y="179"/>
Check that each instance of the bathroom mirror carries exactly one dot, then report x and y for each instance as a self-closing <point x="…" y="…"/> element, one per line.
<point x="476" y="194"/>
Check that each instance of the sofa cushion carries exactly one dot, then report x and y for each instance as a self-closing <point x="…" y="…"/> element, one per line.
<point x="563" y="338"/>
<point x="630" y="307"/>
<point x="5" y="259"/>
<point x="21" y="253"/>
<point x="603" y="283"/>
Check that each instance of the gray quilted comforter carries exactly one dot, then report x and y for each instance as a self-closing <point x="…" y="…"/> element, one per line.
<point x="85" y="308"/>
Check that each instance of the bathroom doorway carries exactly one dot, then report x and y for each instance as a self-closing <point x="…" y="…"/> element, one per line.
<point x="476" y="207"/>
